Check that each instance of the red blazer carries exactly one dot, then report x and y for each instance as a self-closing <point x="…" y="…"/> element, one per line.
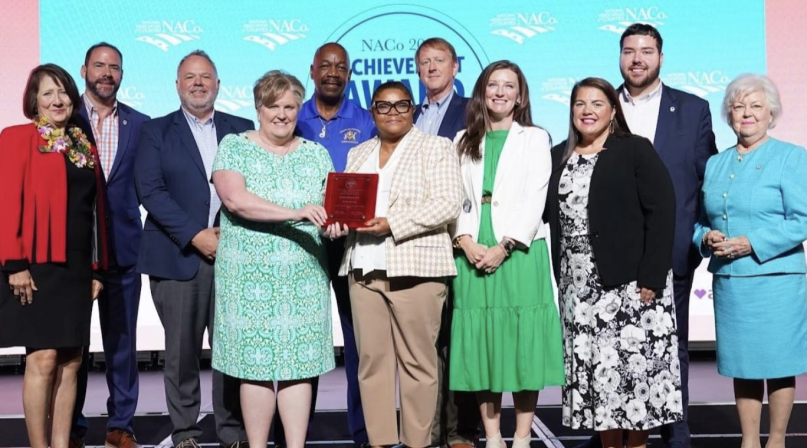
<point x="33" y="200"/>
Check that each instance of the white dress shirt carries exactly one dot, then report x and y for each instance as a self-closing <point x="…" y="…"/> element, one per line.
<point x="204" y="133"/>
<point x="369" y="253"/>
<point x="642" y="113"/>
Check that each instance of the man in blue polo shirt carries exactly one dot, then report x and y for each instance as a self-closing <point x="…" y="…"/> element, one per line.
<point x="339" y="125"/>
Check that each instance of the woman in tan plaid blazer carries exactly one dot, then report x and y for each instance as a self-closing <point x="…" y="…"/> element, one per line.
<point x="398" y="265"/>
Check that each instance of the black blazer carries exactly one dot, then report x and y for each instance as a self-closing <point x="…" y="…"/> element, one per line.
<point x="453" y="120"/>
<point x="631" y="211"/>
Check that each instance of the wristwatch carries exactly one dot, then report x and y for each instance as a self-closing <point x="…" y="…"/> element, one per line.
<point x="508" y="246"/>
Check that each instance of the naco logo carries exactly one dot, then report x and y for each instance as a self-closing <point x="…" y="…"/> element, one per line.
<point x="166" y="34"/>
<point x="130" y="96"/>
<point x="617" y="20"/>
<point x="698" y="83"/>
<point x="231" y="99"/>
<point x="558" y="90"/>
<point x="519" y="27"/>
<point x="274" y="33"/>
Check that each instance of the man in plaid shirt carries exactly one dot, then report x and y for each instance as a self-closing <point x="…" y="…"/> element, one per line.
<point x="115" y="128"/>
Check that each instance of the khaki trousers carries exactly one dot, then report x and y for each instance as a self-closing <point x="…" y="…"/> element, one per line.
<point x="396" y="322"/>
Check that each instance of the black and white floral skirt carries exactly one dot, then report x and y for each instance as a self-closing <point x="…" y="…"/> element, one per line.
<point x="621" y="355"/>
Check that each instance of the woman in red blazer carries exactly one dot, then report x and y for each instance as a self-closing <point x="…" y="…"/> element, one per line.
<point x="52" y="247"/>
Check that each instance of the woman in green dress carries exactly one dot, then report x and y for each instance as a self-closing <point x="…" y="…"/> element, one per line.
<point x="273" y="299"/>
<point x="506" y="333"/>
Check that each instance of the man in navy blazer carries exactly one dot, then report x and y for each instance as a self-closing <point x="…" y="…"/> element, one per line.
<point x="115" y="129"/>
<point x="456" y="419"/>
<point x="443" y="112"/>
<point x="680" y="126"/>
<point x="178" y="249"/>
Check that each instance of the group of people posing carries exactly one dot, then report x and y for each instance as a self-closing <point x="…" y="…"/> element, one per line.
<point x="448" y="288"/>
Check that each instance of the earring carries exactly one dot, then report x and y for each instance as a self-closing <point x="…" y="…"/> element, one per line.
<point x="612" y="125"/>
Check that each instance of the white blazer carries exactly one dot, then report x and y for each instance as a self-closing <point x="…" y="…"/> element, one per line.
<point x="519" y="190"/>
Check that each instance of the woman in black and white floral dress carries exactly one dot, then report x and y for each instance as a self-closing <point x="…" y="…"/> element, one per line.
<point x="611" y="210"/>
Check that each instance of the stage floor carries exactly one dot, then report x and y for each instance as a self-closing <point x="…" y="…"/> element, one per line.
<point x="713" y="418"/>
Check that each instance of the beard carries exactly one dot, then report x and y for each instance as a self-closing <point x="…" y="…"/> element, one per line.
<point x="92" y="86"/>
<point x="650" y="78"/>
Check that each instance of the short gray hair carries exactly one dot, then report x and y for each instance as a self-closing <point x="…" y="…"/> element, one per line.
<point x="746" y="84"/>
<point x="201" y="54"/>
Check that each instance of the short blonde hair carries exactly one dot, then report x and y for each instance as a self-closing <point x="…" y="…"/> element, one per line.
<point x="746" y="84"/>
<point x="272" y="85"/>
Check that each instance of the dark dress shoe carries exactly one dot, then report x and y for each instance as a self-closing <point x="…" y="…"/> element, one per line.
<point x="239" y="444"/>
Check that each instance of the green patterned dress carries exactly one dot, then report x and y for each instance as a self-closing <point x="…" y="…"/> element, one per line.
<point x="273" y="297"/>
<point x="506" y="333"/>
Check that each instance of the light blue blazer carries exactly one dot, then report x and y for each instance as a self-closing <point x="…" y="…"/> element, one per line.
<point x="762" y="195"/>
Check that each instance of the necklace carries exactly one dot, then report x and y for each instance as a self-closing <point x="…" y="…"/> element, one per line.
<point x="324" y="127"/>
<point x="743" y="154"/>
<point x="272" y="147"/>
<point x="71" y="141"/>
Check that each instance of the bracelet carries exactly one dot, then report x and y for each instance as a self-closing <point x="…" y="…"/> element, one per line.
<point x="703" y="240"/>
<point x="456" y="242"/>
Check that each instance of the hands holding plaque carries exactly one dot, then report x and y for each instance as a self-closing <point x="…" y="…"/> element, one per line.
<point x="350" y="199"/>
<point x="317" y="216"/>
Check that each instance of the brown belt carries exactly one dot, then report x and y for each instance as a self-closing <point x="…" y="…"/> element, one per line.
<point x="487" y="199"/>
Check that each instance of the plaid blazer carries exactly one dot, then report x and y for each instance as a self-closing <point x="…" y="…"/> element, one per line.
<point x="425" y="197"/>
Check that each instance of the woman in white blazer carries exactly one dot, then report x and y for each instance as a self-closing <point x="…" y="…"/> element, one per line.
<point x="506" y="334"/>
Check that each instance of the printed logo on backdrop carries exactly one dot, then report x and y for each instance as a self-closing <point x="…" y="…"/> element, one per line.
<point x="166" y="34"/>
<point x="617" y="20"/>
<point x="274" y="32"/>
<point x="521" y="26"/>
<point x="558" y="90"/>
<point x="232" y="99"/>
<point x="699" y="83"/>
<point x="382" y="42"/>
<point x="131" y="97"/>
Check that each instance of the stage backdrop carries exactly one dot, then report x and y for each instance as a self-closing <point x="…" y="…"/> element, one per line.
<point x="555" y="42"/>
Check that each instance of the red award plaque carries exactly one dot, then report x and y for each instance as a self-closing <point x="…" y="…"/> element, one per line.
<point x="350" y="198"/>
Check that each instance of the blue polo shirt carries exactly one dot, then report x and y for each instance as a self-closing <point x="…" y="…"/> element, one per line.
<point x="350" y="126"/>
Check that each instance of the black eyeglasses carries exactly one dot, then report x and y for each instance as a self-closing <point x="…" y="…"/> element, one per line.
<point x="385" y="107"/>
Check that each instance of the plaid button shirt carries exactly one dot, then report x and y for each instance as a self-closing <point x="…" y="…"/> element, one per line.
<point x="106" y="134"/>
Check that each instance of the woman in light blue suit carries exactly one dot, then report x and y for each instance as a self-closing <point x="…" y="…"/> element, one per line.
<point x="753" y="223"/>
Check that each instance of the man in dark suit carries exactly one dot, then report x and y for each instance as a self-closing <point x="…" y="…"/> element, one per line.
<point x="680" y="126"/>
<point x="115" y="128"/>
<point x="456" y="419"/>
<point x="443" y="112"/>
<point x="180" y="236"/>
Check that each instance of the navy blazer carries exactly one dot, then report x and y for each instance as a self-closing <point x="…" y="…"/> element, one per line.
<point x="453" y="120"/>
<point x="684" y="140"/>
<point x="123" y="207"/>
<point x="175" y="190"/>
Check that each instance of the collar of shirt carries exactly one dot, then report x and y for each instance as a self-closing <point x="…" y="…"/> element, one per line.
<point x="440" y="104"/>
<point x="90" y="107"/>
<point x="195" y="122"/>
<point x="642" y="99"/>
<point x="309" y="109"/>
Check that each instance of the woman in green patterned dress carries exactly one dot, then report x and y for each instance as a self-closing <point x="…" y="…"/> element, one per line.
<point x="506" y="333"/>
<point x="273" y="300"/>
